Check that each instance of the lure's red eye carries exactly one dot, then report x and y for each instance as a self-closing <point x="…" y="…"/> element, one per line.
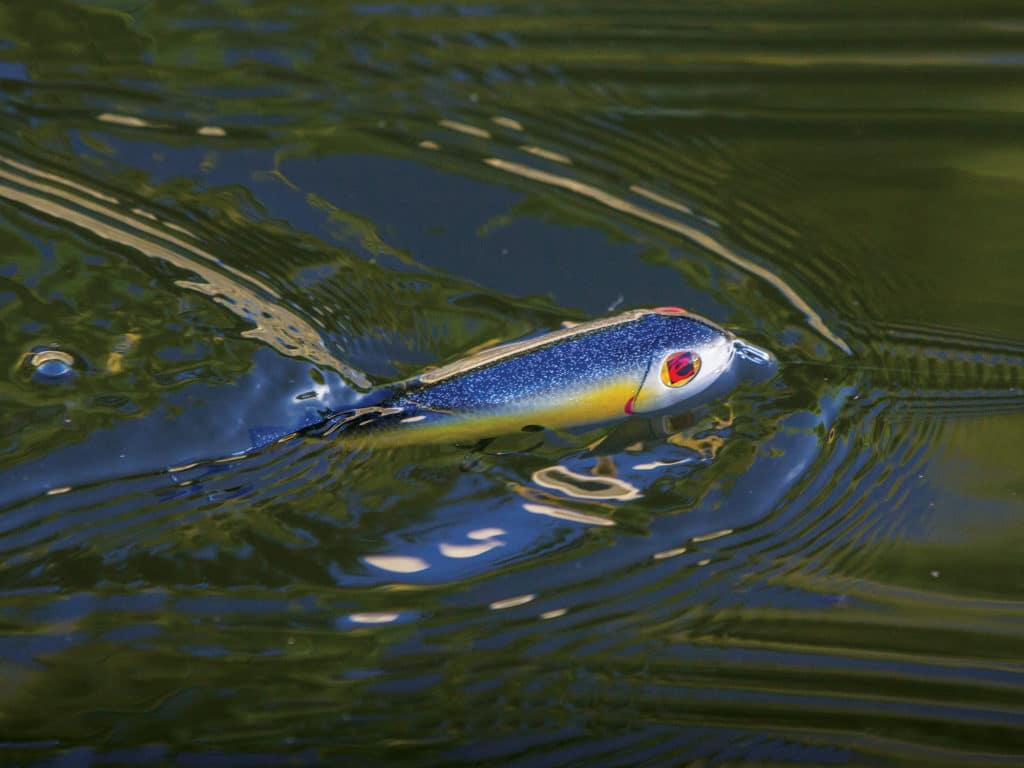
<point x="680" y="368"/>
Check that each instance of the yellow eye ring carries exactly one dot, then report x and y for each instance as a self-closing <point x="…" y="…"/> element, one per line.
<point x="679" y="368"/>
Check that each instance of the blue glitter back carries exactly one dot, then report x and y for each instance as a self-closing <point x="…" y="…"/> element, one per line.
<point x="566" y="366"/>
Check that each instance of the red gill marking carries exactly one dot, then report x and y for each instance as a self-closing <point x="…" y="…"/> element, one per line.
<point x="629" y="406"/>
<point x="670" y="311"/>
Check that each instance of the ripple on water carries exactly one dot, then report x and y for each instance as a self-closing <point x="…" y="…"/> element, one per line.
<point x="762" y="584"/>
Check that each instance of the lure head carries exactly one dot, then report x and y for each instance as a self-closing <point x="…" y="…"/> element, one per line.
<point x="690" y="356"/>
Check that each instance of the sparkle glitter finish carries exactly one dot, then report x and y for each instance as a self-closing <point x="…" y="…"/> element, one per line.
<point x="581" y="375"/>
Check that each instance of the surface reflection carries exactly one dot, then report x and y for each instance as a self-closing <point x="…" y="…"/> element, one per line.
<point x="690" y="233"/>
<point x="241" y="293"/>
<point x="819" y="567"/>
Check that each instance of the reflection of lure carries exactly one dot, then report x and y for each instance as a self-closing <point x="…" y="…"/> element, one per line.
<point x="638" y="362"/>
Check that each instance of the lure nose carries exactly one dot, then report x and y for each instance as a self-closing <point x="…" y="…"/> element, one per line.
<point x="758" y="363"/>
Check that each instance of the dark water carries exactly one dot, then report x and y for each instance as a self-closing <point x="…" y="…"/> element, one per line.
<point x="229" y="215"/>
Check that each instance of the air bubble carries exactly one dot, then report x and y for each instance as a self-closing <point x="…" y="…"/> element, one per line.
<point x="51" y="365"/>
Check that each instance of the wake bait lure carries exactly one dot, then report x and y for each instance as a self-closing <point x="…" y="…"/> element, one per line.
<point x="639" y="362"/>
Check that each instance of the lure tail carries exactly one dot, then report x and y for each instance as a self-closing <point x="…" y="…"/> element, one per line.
<point x="369" y="411"/>
<point x="362" y="419"/>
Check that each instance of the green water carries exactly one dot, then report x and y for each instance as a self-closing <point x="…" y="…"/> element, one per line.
<point x="228" y="216"/>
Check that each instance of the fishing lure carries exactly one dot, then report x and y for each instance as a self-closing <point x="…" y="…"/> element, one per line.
<point x="639" y="362"/>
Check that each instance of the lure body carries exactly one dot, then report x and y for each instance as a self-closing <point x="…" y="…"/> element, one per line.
<point x="641" y="361"/>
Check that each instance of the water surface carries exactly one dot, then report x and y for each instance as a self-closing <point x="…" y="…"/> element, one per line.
<point x="227" y="218"/>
